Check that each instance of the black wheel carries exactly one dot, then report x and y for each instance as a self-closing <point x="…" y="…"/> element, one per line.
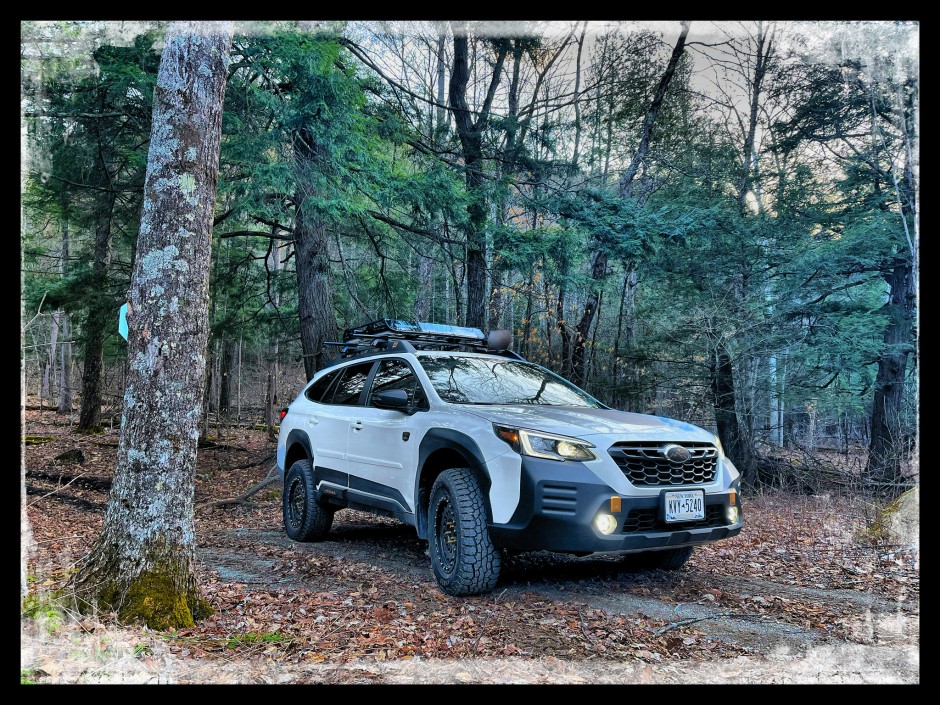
<point x="305" y="519"/>
<point x="671" y="559"/>
<point x="463" y="557"/>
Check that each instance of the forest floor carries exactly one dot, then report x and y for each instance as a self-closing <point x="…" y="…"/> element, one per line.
<point x="800" y="596"/>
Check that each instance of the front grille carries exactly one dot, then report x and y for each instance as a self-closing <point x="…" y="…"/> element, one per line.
<point x="639" y="520"/>
<point x="643" y="463"/>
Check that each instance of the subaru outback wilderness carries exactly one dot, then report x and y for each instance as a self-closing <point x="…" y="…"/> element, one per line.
<point x="449" y="431"/>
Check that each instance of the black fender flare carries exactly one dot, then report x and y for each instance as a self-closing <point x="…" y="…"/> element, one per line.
<point x="462" y="444"/>
<point x="293" y="438"/>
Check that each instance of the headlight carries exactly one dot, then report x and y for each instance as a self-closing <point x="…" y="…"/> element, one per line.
<point x="721" y="450"/>
<point x="545" y="445"/>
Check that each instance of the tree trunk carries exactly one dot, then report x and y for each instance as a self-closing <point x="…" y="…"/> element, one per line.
<point x="52" y="359"/>
<point x="732" y="438"/>
<point x="470" y="133"/>
<point x="599" y="262"/>
<point x="886" y="444"/>
<point x="274" y="351"/>
<point x="591" y="367"/>
<point x="141" y="566"/>
<point x="563" y="333"/>
<point x="526" y="345"/>
<point x="443" y="117"/>
<point x="598" y="273"/>
<point x="311" y="238"/>
<point x="423" y="309"/>
<point x="65" y="349"/>
<point x="547" y="358"/>
<point x="314" y="290"/>
<point x="425" y="284"/>
<point x="577" y="97"/>
<point x="238" y="387"/>
<point x="100" y="316"/>
<point x="884" y="450"/>
<point x="65" y="365"/>
<point x="269" y="404"/>
<point x="227" y="364"/>
<point x="764" y="47"/>
<point x="496" y="293"/>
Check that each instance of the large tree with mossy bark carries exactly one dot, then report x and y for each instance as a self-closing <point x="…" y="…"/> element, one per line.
<point x="142" y="565"/>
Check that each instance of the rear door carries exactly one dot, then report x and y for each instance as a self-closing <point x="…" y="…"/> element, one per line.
<point x="328" y="423"/>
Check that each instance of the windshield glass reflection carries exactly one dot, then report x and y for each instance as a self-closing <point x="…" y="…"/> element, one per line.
<point x="471" y="380"/>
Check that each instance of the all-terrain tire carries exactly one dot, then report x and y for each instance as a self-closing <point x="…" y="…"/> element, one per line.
<point x="305" y="519"/>
<point x="463" y="558"/>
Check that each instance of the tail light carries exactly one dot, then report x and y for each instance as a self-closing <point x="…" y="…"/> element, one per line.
<point x="282" y="413"/>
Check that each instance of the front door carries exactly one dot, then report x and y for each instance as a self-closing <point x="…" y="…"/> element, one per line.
<point x="382" y="448"/>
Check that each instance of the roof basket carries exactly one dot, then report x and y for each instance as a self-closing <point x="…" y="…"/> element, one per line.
<point x="389" y="334"/>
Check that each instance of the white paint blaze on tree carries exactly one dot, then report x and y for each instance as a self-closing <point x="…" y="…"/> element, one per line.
<point x="141" y="567"/>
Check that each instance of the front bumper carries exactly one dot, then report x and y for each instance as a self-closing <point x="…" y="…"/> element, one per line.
<point x="559" y="501"/>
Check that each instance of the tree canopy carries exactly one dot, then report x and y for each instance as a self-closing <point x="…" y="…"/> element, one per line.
<point x="721" y="225"/>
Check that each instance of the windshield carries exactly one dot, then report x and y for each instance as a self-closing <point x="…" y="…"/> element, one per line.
<point x="478" y="380"/>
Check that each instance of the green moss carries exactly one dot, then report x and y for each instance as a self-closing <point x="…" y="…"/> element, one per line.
<point x="45" y="610"/>
<point x="878" y="530"/>
<point x="37" y="440"/>
<point x="28" y="674"/>
<point x="152" y="598"/>
<point x="251" y="638"/>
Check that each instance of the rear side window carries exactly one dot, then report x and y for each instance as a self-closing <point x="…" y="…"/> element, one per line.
<point x="350" y="386"/>
<point x="317" y="390"/>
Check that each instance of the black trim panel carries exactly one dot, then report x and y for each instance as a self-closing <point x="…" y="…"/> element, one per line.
<point x="324" y="474"/>
<point x="334" y="489"/>
<point x="375" y="488"/>
<point x="558" y="503"/>
<point x="343" y="490"/>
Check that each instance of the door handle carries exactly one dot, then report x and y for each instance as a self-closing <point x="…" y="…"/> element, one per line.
<point x="357" y="425"/>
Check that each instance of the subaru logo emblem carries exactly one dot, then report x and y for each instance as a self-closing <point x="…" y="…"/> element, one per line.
<point x="676" y="454"/>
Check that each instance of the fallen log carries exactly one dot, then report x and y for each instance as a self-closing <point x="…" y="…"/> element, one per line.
<point x="63" y="497"/>
<point x="102" y="484"/>
<point x="269" y="479"/>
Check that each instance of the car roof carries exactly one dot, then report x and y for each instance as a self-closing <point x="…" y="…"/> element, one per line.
<point x="457" y="353"/>
<point x="381" y="355"/>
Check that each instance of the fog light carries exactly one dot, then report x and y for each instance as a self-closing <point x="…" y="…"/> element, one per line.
<point x="732" y="515"/>
<point x="605" y="523"/>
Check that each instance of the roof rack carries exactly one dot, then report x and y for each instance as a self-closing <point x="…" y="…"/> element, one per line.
<point x="391" y="334"/>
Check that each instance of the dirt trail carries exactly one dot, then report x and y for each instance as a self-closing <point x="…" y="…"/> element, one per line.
<point x="876" y="639"/>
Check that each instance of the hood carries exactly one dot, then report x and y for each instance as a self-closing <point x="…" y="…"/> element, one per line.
<point x="584" y="422"/>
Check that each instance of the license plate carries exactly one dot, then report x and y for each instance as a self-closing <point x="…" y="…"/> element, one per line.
<point x="685" y="506"/>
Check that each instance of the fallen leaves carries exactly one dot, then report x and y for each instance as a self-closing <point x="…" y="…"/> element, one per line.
<point x="276" y="602"/>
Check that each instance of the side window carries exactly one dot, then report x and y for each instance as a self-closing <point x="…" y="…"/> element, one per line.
<point x="397" y="374"/>
<point x="317" y="390"/>
<point x="350" y="386"/>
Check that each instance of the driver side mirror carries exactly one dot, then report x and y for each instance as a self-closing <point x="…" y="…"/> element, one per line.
<point x="392" y="399"/>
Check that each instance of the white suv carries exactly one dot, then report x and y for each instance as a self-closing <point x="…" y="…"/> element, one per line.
<point x="482" y="451"/>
